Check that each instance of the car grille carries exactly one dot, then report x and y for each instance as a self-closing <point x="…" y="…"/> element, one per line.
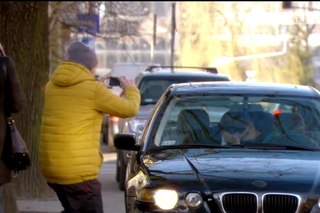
<point x="246" y="202"/>
<point x="279" y="203"/>
<point x="239" y="203"/>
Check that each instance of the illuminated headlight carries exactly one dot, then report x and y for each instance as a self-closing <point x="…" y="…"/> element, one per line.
<point x="194" y="200"/>
<point x="165" y="199"/>
<point x="137" y="125"/>
<point x="319" y="203"/>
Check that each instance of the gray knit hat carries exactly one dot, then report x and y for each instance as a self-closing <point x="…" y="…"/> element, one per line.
<point x="80" y="53"/>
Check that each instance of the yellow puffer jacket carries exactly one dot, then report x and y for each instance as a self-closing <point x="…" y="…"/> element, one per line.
<point x="71" y="123"/>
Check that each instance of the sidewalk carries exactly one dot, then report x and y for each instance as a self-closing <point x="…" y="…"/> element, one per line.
<point x="53" y="205"/>
<point x="39" y="206"/>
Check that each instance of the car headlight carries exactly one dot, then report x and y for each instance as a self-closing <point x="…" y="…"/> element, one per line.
<point x="194" y="200"/>
<point x="165" y="199"/>
<point x="137" y="125"/>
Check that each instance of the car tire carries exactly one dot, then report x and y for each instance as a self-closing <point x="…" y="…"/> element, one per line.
<point x="111" y="147"/>
<point x="122" y="175"/>
<point x="104" y="132"/>
<point x="104" y="139"/>
<point x="118" y="168"/>
<point x="125" y="203"/>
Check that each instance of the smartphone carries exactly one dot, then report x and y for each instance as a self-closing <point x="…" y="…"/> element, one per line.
<point x="113" y="82"/>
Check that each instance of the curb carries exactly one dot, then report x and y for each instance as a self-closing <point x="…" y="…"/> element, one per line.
<point x="39" y="206"/>
<point x="36" y="212"/>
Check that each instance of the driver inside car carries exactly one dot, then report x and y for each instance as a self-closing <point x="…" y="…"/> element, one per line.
<point x="237" y="128"/>
<point x="247" y="128"/>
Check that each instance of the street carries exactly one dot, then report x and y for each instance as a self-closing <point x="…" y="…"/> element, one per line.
<point x="111" y="195"/>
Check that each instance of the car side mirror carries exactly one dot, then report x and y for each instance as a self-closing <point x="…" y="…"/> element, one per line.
<point x="126" y="141"/>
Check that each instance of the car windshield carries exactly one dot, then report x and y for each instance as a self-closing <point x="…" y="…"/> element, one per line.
<point x="240" y="120"/>
<point x="152" y="87"/>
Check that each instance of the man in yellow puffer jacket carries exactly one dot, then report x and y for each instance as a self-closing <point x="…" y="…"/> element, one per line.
<point x="74" y="105"/>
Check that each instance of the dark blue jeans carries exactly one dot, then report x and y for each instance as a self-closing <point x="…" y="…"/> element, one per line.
<point x="80" y="197"/>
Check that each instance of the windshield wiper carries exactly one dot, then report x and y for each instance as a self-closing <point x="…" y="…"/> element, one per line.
<point x="275" y="146"/>
<point x="193" y="146"/>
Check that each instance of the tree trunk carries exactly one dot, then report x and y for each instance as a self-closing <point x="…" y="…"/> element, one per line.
<point x="24" y="35"/>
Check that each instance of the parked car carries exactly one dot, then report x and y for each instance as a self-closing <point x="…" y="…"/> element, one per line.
<point x="185" y="161"/>
<point x="152" y="83"/>
<point x="110" y="122"/>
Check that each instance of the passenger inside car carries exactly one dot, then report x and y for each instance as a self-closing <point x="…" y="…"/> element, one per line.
<point x="312" y="122"/>
<point x="251" y="125"/>
<point x="291" y="129"/>
<point x="193" y="126"/>
<point x="238" y="128"/>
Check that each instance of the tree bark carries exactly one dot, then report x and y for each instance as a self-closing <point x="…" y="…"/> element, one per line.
<point x="24" y="35"/>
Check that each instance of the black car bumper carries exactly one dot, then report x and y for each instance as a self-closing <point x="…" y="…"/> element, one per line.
<point x="183" y="209"/>
<point x="305" y="207"/>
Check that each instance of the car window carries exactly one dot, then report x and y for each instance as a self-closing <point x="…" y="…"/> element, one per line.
<point x="225" y="120"/>
<point x="152" y="87"/>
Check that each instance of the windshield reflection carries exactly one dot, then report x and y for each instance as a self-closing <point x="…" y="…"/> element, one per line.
<point x="279" y="121"/>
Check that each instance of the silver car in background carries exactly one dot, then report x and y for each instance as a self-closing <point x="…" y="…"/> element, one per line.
<point x="110" y="124"/>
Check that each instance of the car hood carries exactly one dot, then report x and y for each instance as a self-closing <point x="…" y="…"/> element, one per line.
<point x="145" y="111"/>
<point x="235" y="170"/>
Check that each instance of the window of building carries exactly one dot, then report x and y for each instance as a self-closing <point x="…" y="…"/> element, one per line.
<point x="145" y="58"/>
<point x="161" y="44"/>
<point x="162" y="8"/>
<point x="134" y="45"/>
<point x="99" y="45"/>
<point x="123" y="57"/>
<point x="264" y="29"/>
<point x="246" y="29"/>
<point x="160" y="59"/>
<point x="317" y="72"/>
<point x="315" y="5"/>
<point x="111" y="59"/>
<point x="129" y="8"/>
<point x="220" y="30"/>
<point x="112" y="44"/>
<point x="133" y="57"/>
<point x="144" y="45"/>
<point x="316" y="28"/>
<point x="146" y="7"/>
<point x="101" y="60"/>
<point x="284" y="29"/>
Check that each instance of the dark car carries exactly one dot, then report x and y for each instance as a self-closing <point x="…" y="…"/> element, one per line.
<point x="219" y="147"/>
<point x="152" y="83"/>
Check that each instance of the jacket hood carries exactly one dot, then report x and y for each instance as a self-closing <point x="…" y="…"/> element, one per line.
<point x="71" y="73"/>
<point x="235" y="170"/>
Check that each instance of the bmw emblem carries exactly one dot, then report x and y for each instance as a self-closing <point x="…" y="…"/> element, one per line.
<point x="259" y="183"/>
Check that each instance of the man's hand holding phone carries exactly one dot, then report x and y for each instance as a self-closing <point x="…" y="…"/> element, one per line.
<point x="104" y="78"/>
<point x="121" y="82"/>
<point x="124" y="82"/>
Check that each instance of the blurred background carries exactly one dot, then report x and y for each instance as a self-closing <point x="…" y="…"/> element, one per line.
<point x="262" y="41"/>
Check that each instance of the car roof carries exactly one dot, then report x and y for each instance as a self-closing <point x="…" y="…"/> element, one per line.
<point x="233" y="87"/>
<point x="183" y="73"/>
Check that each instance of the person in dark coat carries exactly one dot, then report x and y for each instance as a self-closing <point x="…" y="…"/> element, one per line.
<point x="10" y="88"/>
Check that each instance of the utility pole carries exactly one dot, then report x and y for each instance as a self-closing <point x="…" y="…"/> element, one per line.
<point x="173" y="31"/>
<point x="154" y="40"/>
